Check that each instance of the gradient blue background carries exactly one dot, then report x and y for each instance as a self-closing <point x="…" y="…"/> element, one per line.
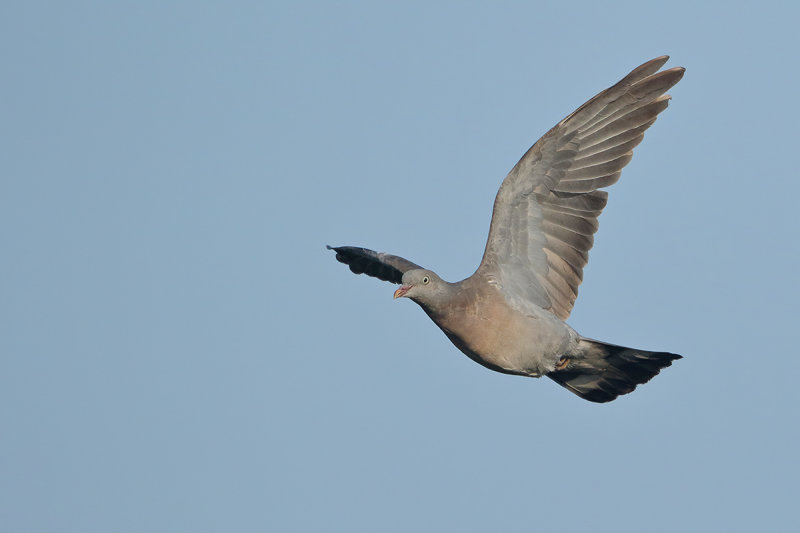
<point x="178" y="351"/>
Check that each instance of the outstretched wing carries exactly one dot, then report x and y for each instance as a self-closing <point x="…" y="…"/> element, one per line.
<point x="376" y="264"/>
<point x="545" y="213"/>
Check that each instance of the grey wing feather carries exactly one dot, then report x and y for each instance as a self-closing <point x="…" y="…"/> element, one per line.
<point x="545" y="213"/>
<point x="376" y="264"/>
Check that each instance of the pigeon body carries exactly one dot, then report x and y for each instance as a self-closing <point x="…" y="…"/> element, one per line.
<point x="476" y="317"/>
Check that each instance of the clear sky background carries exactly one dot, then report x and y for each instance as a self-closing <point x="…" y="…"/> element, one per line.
<point x="179" y="352"/>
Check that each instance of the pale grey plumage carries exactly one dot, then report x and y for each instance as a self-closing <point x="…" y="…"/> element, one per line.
<point x="509" y="314"/>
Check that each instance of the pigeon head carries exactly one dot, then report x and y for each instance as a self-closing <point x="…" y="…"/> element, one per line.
<point x="421" y="285"/>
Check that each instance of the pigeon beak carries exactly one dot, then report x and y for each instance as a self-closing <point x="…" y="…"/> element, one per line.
<point x="399" y="293"/>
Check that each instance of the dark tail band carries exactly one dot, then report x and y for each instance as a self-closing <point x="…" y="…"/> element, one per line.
<point x="604" y="371"/>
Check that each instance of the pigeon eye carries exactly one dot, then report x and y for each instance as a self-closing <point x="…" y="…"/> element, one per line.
<point x="425" y="280"/>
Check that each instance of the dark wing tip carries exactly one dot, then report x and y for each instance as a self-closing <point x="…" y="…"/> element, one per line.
<point x="378" y="265"/>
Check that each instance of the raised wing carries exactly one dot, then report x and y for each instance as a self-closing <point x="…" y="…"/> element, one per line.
<point x="376" y="264"/>
<point x="545" y="213"/>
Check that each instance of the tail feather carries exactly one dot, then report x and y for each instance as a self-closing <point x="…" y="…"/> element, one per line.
<point x="601" y="371"/>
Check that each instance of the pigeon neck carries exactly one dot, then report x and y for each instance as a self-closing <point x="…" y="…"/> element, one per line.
<point x="437" y="303"/>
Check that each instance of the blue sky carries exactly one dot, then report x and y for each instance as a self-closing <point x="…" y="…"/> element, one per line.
<point x="179" y="352"/>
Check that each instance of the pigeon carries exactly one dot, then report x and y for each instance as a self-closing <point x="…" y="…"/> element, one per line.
<point x="509" y="316"/>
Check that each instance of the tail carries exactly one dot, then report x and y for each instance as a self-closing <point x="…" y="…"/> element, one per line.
<point x="601" y="372"/>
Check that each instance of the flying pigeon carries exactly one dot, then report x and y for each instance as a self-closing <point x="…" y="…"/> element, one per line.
<point x="509" y="315"/>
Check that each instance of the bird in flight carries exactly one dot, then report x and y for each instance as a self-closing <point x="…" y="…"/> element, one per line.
<point x="509" y="315"/>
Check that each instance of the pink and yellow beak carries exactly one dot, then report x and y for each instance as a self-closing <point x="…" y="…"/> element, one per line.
<point x="399" y="293"/>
